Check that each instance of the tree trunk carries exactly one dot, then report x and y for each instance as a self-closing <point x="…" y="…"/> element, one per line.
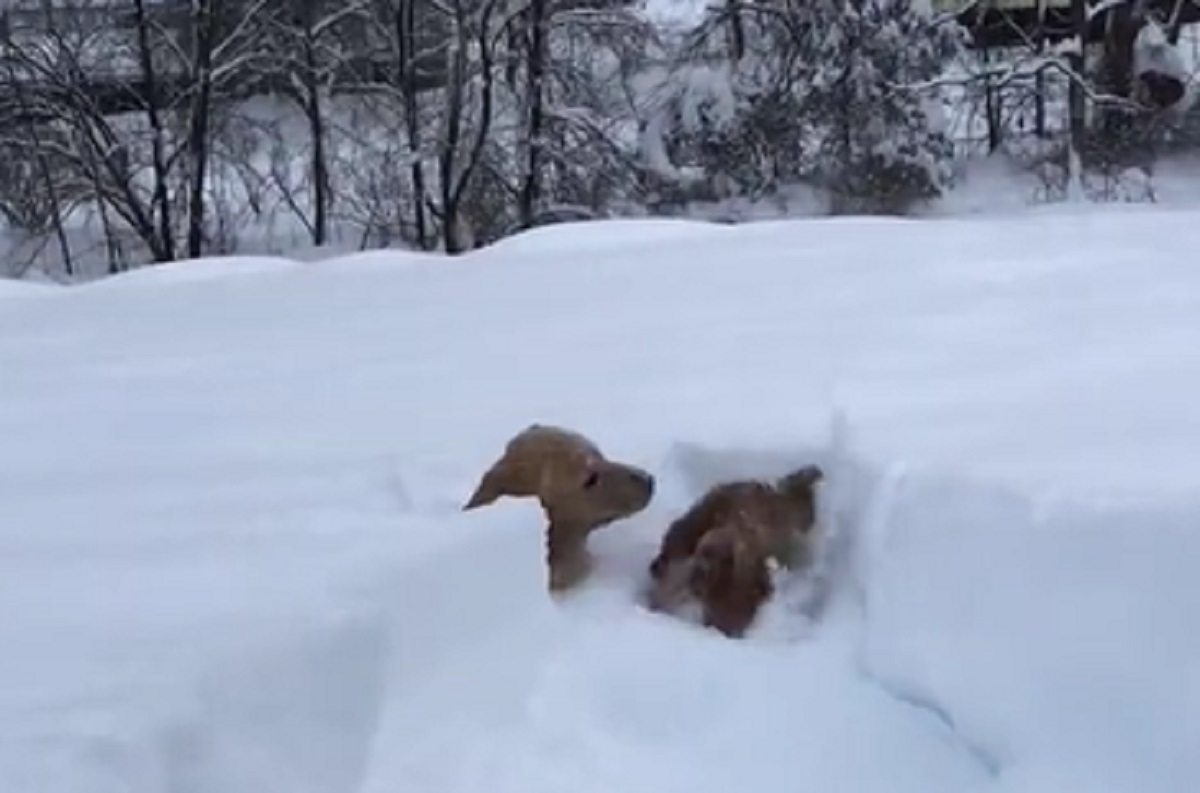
<point x="535" y="73"/>
<point x="1175" y="23"/>
<point x="204" y="23"/>
<point x="447" y="159"/>
<point x="1076" y="100"/>
<point x="163" y="249"/>
<point x="406" y="38"/>
<point x="737" y="31"/>
<point x="454" y="186"/>
<point x="316" y="126"/>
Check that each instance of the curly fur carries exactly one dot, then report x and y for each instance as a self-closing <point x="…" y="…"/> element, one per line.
<point x="579" y="489"/>
<point x="722" y="549"/>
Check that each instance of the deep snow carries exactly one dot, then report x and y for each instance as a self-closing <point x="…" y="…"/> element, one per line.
<point x="233" y="559"/>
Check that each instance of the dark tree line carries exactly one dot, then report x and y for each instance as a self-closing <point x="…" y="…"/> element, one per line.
<point x="152" y="130"/>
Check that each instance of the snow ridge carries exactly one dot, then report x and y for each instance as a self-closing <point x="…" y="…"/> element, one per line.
<point x="234" y="558"/>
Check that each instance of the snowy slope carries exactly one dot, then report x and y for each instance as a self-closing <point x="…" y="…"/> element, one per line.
<point x="233" y="559"/>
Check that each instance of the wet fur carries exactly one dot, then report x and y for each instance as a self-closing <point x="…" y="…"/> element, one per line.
<point x="721" y="551"/>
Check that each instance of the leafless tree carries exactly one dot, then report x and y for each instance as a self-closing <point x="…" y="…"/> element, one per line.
<point x="468" y="114"/>
<point x="405" y="24"/>
<point x="308" y="42"/>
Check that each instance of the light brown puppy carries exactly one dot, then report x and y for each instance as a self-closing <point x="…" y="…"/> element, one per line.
<point x="580" y="490"/>
<point x="722" y="550"/>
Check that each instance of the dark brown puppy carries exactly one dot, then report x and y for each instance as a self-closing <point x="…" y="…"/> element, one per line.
<point x="580" y="490"/>
<point x="723" y="549"/>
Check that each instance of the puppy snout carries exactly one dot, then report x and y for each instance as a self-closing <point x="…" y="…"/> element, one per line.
<point x="646" y="480"/>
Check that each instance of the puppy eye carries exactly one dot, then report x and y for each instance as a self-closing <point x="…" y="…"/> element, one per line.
<point x="592" y="478"/>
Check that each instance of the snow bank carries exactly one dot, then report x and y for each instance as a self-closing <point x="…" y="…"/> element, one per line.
<point x="14" y="288"/>
<point x="205" y="269"/>
<point x="232" y="555"/>
<point x="390" y="259"/>
<point x="1059" y="639"/>
<point x="595" y="694"/>
<point x="585" y="240"/>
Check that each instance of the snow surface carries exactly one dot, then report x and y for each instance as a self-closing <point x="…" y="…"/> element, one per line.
<point x="233" y="558"/>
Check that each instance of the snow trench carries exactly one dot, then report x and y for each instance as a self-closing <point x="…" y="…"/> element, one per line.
<point x="958" y="638"/>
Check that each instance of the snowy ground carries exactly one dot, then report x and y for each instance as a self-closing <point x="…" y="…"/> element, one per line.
<point x="233" y="559"/>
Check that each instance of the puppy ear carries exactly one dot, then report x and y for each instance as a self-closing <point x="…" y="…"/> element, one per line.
<point x="801" y="479"/>
<point x="491" y="486"/>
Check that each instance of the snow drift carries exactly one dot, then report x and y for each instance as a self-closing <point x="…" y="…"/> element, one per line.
<point x="233" y="556"/>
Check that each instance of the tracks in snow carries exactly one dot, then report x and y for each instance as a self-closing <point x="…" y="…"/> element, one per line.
<point x="454" y="672"/>
<point x="491" y="686"/>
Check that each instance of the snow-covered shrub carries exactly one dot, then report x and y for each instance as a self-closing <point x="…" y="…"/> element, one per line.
<point x="581" y="116"/>
<point x="881" y="146"/>
<point x="825" y="91"/>
<point x="725" y="117"/>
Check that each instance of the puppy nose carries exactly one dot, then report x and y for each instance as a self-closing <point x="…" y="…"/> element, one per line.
<point x="647" y="481"/>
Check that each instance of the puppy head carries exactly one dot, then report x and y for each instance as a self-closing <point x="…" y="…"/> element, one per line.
<point x="730" y="575"/>
<point x="610" y="491"/>
<point x="713" y="564"/>
<point x="568" y="474"/>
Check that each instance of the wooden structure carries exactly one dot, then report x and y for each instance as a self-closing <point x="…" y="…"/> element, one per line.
<point x="1120" y="62"/>
<point x="1016" y="23"/>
